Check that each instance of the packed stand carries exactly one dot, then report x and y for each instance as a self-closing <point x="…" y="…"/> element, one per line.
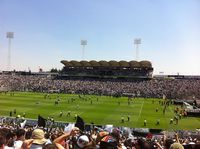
<point x="155" y="88"/>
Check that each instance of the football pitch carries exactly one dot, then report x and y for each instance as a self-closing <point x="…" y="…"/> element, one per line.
<point x="100" y="110"/>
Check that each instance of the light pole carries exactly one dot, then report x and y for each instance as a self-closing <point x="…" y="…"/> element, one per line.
<point x="83" y="43"/>
<point x="137" y="41"/>
<point x="9" y="35"/>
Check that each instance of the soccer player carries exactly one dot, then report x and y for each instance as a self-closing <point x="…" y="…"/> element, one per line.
<point x="61" y="113"/>
<point x="10" y="113"/>
<point x="68" y="113"/>
<point x="158" y="122"/>
<point x="171" y="121"/>
<point x="122" y="119"/>
<point x="75" y="116"/>
<point x="156" y="109"/>
<point x="145" y="122"/>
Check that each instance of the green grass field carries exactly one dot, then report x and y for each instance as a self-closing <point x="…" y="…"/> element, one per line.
<point x="105" y="110"/>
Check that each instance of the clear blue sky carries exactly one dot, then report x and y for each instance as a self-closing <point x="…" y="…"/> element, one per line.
<point x="47" y="31"/>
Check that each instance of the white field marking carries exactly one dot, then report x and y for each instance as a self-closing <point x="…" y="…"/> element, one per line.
<point x="140" y="112"/>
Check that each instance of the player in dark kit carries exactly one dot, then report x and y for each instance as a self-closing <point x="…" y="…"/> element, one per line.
<point x="10" y="113"/>
<point x="61" y="113"/>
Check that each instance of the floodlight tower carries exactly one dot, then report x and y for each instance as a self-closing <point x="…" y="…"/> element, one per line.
<point x="137" y="41"/>
<point x="9" y="35"/>
<point x="83" y="43"/>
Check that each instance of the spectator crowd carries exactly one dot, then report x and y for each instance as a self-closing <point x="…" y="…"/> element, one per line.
<point x="34" y="137"/>
<point x="155" y="88"/>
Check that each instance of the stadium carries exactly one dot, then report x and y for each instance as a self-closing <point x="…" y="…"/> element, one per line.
<point x="102" y="94"/>
<point x="99" y="74"/>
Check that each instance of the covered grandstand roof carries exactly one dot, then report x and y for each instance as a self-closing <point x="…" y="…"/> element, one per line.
<point x="109" y="64"/>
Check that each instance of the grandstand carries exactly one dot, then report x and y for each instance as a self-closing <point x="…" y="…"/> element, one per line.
<point x="107" y="69"/>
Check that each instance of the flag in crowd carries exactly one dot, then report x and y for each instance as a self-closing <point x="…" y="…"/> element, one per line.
<point x="41" y="121"/>
<point x="80" y="123"/>
<point x="69" y="127"/>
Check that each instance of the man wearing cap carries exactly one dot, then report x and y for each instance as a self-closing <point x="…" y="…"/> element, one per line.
<point x="176" y="146"/>
<point x="82" y="141"/>
<point x="38" y="139"/>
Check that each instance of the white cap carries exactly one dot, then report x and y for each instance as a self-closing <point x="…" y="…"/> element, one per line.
<point x="82" y="141"/>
